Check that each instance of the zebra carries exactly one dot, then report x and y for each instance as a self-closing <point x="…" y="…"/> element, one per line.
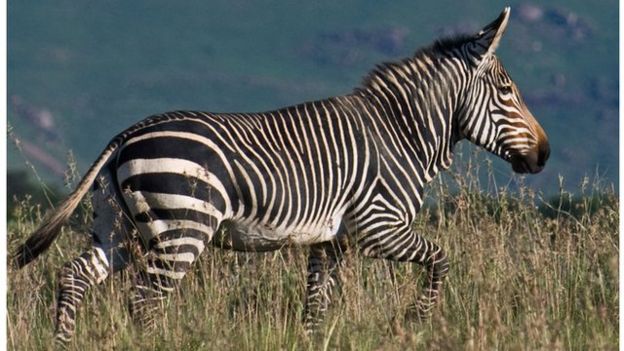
<point x="339" y="175"/>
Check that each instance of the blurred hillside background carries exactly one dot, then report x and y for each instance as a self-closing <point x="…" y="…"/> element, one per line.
<point x="79" y="72"/>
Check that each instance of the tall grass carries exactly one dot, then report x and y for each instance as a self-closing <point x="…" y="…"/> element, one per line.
<point x="526" y="274"/>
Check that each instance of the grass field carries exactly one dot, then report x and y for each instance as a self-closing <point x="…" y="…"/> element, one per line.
<point x="526" y="274"/>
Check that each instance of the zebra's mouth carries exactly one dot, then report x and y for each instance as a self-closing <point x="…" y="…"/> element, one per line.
<point x="526" y="163"/>
<point x="533" y="161"/>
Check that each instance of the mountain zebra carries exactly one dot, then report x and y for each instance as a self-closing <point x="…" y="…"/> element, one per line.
<point x="343" y="173"/>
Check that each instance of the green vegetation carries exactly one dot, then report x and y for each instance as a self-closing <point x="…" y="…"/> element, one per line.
<point x="526" y="273"/>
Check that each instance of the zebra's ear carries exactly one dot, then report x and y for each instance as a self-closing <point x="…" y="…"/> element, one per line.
<point x="488" y="38"/>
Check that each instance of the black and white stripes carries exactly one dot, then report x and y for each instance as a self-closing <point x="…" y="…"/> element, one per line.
<point x="343" y="173"/>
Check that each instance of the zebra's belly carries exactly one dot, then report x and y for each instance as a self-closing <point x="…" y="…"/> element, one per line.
<point x="240" y="236"/>
<point x="158" y="213"/>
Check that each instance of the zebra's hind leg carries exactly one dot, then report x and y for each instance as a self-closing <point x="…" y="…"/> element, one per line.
<point x="108" y="255"/>
<point x="75" y="278"/>
<point x="168" y="261"/>
<point x="323" y="263"/>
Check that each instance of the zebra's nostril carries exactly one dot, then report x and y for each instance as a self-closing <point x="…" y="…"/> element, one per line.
<point x="543" y="154"/>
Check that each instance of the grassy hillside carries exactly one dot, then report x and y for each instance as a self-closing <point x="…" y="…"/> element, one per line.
<point x="526" y="274"/>
<point x="80" y="72"/>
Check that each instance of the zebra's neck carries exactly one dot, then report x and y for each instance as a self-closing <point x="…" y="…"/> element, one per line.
<point x="416" y="100"/>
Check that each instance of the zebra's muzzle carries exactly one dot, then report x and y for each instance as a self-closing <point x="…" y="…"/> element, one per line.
<point x="522" y="165"/>
<point x="533" y="162"/>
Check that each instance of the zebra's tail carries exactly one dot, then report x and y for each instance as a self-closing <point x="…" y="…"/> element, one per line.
<point x="50" y="228"/>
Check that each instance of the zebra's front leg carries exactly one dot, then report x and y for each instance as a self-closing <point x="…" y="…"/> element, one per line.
<point x="409" y="246"/>
<point x="323" y="263"/>
<point x="436" y="264"/>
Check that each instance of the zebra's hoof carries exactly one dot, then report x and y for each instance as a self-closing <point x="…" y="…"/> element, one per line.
<point x="414" y="313"/>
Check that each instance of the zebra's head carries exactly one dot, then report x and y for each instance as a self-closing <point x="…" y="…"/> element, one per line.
<point x="494" y="115"/>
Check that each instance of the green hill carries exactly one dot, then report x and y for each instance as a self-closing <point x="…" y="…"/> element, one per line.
<point x="79" y="72"/>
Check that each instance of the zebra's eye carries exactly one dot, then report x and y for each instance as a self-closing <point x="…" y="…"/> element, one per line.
<point x="505" y="89"/>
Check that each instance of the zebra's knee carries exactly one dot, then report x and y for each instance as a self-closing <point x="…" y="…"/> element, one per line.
<point x="438" y="264"/>
<point x="88" y="269"/>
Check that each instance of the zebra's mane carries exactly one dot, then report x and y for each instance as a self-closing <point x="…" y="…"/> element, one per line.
<point x="440" y="47"/>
